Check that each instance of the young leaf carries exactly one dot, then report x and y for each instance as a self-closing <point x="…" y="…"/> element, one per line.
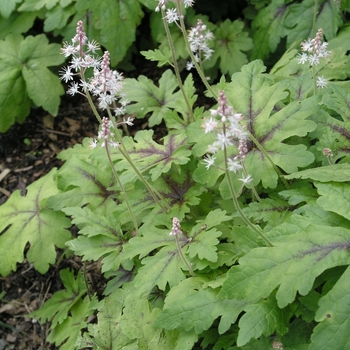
<point x="151" y="99"/>
<point x="204" y="237"/>
<point x="147" y="154"/>
<point x="163" y="57"/>
<point x="333" y="315"/>
<point x="76" y="322"/>
<point x="27" y="220"/>
<point x="230" y="42"/>
<point x="58" y="307"/>
<point x="255" y="96"/>
<point x="291" y="265"/>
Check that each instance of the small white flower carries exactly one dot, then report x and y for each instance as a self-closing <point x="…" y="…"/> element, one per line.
<point x="189" y="65"/>
<point x="92" y="144"/>
<point x="68" y="49"/>
<point x="246" y="180"/>
<point x="188" y="3"/>
<point x="66" y="74"/>
<point x="113" y="144"/>
<point x="92" y="46"/>
<point x="234" y="165"/>
<point x="74" y="88"/>
<point x="314" y="60"/>
<point x="302" y="58"/>
<point x="129" y="121"/>
<point x="223" y="141"/>
<point x="321" y="82"/>
<point x="210" y="125"/>
<point x="171" y="15"/>
<point x="208" y="161"/>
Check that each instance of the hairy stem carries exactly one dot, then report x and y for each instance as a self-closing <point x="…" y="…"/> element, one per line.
<point x="176" y="68"/>
<point x="188" y="265"/>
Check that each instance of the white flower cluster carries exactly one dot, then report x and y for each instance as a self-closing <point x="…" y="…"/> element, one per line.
<point x="313" y="50"/>
<point x="107" y="135"/>
<point x="176" y="229"/>
<point x="199" y="38"/>
<point x="105" y="84"/>
<point x="229" y="131"/>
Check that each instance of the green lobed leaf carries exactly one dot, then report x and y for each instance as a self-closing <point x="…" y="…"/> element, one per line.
<point x="332" y="332"/>
<point x="230" y="41"/>
<point x="16" y="23"/>
<point x="263" y="317"/>
<point x="152" y="99"/>
<point x="334" y="197"/>
<point x="197" y="310"/>
<point x="107" y="333"/>
<point x="269" y="28"/>
<point x="137" y="320"/>
<point x="33" y="5"/>
<point x="24" y="75"/>
<point x="58" y="307"/>
<point x="300" y="20"/>
<point x="117" y="22"/>
<point x="83" y="183"/>
<point x="291" y="265"/>
<point x="204" y="237"/>
<point x="76" y="322"/>
<point x="147" y="154"/>
<point x="255" y="95"/>
<point x="268" y="209"/>
<point x="99" y="236"/>
<point x="57" y="17"/>
<point x="162" y="269"/>
<point x="7" y="7"/>
<point x="162" y="57"/>
<point x="339" y="172"/>
<point x="26" y="219"/>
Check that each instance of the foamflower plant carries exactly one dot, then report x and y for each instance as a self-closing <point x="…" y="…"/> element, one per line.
<point x="231" y="231"/>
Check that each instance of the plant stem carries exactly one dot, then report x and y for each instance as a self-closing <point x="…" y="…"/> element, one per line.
<point x="121" y="187"/>
<point x="193" y="58"/>
<point x="183" y="257"/>
<point x="162" y="203"/>
<point x="176" y="68"/>
<point x="235" y="200"/>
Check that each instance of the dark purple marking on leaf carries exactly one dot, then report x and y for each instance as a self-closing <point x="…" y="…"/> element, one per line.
<point x="280" y="11"/>
<point x="177" y="191"/>
<point x="165" y="155"/>
<point x="342" y="131"/>
<point x="323" y="251"/>
<point x="104" y="193"/>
